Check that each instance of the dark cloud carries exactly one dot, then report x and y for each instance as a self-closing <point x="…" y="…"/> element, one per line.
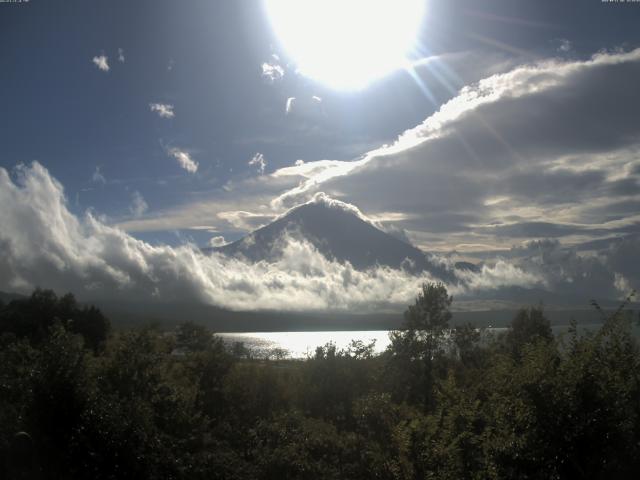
<point x="533" y="230"/>
<point x="624" y="187"/>
<point x="622" y="257"/>
<point x="555" y="186"/>
<point x="615" y="210"/>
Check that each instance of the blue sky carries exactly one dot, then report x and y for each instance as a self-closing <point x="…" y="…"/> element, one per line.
<point x="519" y="122"/>
<point x="205" y="58"/>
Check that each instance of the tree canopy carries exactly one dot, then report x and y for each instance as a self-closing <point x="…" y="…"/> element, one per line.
<point x="441" y="402"/>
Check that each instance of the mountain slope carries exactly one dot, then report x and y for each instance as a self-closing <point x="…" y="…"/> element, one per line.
<point x="7" y="297"/>
<point x="337" y="233"/>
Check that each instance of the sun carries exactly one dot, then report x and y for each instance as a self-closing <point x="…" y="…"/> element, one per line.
<point x="346" y="44"/>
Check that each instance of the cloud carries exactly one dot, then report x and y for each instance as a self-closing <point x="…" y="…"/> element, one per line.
<point x="544" y="149"/>
<point x="45" y="244"/>
<point x="259" y="160"/>
<point x="309" y="175"/>
<point x="138" y="205"/>
<point x="564" y="45"/>
<point x="102" y="62"/>
<point x="120" y="55"/>
<point x="217" y="241"/>
<point x="164" y="110"/>
<point x="244" y="221"/>
<point x="567" y="272"/>
<point x="272" y="71"/>
<point x="306" y="106"/>
<point x="289" y="105"/>
<point x="534" y="150"/>
<point x="98" y="177"/>
<point x="184" y="160"/>
<point x="500" y="274"/>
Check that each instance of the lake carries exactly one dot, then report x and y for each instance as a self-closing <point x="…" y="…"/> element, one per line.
<point x="303" y="344"/>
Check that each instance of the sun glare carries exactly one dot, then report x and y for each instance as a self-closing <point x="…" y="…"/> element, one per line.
<point x="346" y="44"/>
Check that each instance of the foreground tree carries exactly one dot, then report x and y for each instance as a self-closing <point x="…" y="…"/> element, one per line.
<point x="33" y="317"/>
<point x="529" y="325"/>
<point x="416" y="349"/>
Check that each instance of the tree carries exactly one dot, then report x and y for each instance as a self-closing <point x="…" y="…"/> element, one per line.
<point x="193" y="337"/>
<point x="416" y="348"/>
<point x="34" y="317"/>
<point x="465" y="339"/>
<point x="94" y="327"/>
<point x="528" y="326"/>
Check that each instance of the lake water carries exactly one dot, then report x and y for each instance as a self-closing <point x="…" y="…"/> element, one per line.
<point x="303" y="344"/>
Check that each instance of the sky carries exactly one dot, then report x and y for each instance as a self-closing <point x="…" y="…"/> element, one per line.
<point x="510" y="130"/>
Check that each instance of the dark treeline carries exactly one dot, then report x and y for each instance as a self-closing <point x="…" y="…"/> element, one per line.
<point x="80" y="401"/>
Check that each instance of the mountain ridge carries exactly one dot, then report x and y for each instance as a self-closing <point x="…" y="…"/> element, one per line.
<point x="337" y="232"/>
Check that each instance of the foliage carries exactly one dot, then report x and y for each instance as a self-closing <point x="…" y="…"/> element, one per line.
<point x="416" y="350"/>
<point x="529" y="325"/>
<point x="439" y="403"/>
<point x="32" y="318"/>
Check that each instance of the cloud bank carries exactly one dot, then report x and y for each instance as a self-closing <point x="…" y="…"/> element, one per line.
<point x="544" y="150"/>
<point x="549" y="148"/>
<point x="44" y="244"/>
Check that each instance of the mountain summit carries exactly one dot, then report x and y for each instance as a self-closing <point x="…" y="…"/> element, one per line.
<point x="338" y="231"/>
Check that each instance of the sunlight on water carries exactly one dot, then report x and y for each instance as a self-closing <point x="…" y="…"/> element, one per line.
<point x="303" y="344"/>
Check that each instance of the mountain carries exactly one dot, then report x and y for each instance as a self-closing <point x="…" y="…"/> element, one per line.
<point x="7" y="297"/>
<point x="339" y="233"/>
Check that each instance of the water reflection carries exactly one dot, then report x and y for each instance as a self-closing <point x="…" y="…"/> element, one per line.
<point x="303" y="344"/>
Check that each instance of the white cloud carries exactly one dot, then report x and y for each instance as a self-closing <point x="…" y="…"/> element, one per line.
<point x="164" y="110"/>
<point x="272" y="71"/>
<point x="98" y="177"/>
<point x="259" y="161"/>
<point x="102" y="62"/>
<point x="44" y="244"/>
<point x="305" y="106"/>
<point x="217" y="241"/>
<point x="244" y="221"/>
<point x="184" y="160"/>
<point x="138" y="204"/>
<point x="565" y="45"/>
<point x="500" y="274"/>
<point x="311" y="175"/>
<point x="289" y="105"/>
<point x="120" y="55"/>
